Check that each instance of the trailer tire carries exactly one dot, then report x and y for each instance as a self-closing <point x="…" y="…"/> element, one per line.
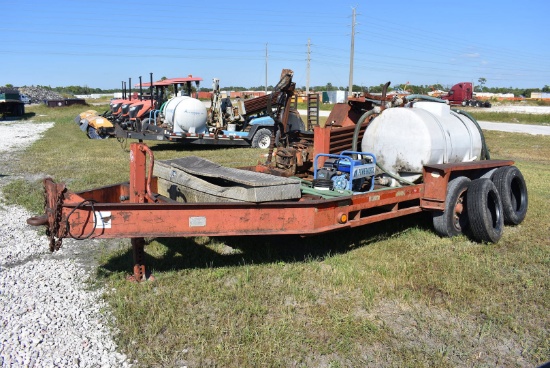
<point x="485" y="211"/>
<point x="513" y="192"/>
<point x="262" y="139"/>
<point x="487" y="104"/>
<point x="453" y="220"/>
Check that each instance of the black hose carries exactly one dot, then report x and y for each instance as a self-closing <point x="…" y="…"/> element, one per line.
<point x="484" y="151"/>
<point x="425" y="98"/>
<point x="396" y="177"/>
<point x="91" y="202"/>
<point x="358" y="129"/>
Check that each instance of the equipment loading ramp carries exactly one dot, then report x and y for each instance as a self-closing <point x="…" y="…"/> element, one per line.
<point x="194" y="179"/>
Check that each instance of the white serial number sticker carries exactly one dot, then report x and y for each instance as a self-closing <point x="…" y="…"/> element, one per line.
<point x="102" y="219"/>
<point x="197" y="221"/>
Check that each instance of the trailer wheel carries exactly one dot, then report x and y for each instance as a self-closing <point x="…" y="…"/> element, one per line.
<point x="487" y="104"/>
<point x="513" y="192"/>
<point x="454" y="220"/>
<point x="262" y="139"/>
<point x="485" y="211"/>
<point x="94" y="134"/>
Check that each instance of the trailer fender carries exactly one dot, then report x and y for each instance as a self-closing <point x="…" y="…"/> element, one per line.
<point x="453" y="220"/>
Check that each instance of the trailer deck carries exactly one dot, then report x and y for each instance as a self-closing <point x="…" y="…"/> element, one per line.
<point x="135" y="210"/>
<point x="339" y="189"/>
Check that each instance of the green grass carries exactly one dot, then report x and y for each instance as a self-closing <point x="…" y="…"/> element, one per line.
<point x="390" y="294"/>
<point x="322" y="106"/>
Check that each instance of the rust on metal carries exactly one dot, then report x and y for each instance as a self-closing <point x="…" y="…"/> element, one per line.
<point x="140" y="273"/>
<point x="437" y="176"/>
<point x="135" y="209"/>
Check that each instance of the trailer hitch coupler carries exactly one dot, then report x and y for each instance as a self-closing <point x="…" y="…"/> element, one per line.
<point x="38" y="220"/>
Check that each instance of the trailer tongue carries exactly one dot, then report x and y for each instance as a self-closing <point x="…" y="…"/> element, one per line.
<point x="336" y="190"/>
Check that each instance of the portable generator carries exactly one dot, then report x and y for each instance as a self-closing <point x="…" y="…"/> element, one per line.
<point x="347" y="171"/>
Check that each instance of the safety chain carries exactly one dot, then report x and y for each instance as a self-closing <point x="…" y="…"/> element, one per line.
<point x="122" y="142"/>
<point x="53" y="229"/>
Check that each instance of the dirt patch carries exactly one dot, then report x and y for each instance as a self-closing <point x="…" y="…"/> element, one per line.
<point x="458" y="340"/>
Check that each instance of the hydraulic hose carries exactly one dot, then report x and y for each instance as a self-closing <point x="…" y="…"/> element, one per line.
<point x="374" y="110"/>
<point x="357" y="129"/>
<point x="307" y="188"/>
<point x="484" y="151"/>
<point x="426" y="98"/>
<point x="396" y="177"/>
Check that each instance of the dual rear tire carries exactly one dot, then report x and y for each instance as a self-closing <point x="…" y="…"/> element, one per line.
<point x="481" y="207"/>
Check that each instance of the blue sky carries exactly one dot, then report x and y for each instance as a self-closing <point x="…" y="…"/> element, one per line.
<point x="101" y="43"/>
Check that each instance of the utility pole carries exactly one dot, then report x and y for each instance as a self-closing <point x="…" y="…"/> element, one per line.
<point x="308" y="62"/>
<point x="266" y="68"/>
<point x="351" y="52"/>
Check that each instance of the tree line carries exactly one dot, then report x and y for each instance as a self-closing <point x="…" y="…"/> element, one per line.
<point x="416" y="89"/>
<point x="411" y="88"/>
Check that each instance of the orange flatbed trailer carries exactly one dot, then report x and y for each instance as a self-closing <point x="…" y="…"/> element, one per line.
<point x="134" y="210"/>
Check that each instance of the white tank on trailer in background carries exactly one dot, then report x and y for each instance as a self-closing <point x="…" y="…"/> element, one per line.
<point x="186" y="115"/>
<point x="423" y="133"/>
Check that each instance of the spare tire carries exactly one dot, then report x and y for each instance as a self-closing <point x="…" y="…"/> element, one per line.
<point x="513" y="191"/>
<point x="485" y="211"/>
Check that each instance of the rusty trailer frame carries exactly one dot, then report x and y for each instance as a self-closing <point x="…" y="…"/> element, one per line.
<point x="134" y="210"/>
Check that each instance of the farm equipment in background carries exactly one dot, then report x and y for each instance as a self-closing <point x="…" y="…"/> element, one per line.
<point x="377" y="158"/>
<point x="256" y="122"/>
<point x="126" y="113"/>
<point x="11" y="103"/>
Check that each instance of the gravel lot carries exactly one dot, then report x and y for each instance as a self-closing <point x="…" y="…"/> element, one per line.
<point x="521" y="109"/>
<point x="52" y="316"/>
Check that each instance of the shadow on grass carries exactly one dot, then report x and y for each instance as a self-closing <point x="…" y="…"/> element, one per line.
<point x="187" y="253"/>
<point x="25" y="116"/>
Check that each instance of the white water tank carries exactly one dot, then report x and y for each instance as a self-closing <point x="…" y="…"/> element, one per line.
<point x="186" y="115"/>
<point x="403" y="139"/>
